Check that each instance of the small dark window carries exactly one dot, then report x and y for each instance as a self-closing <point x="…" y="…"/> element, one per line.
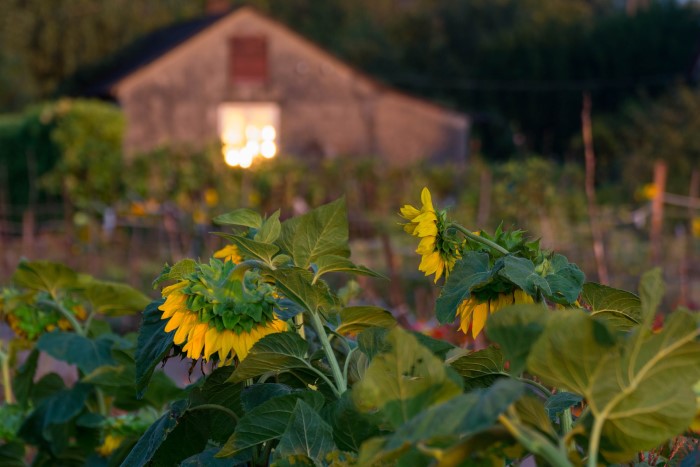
<point x="248" y="59"/>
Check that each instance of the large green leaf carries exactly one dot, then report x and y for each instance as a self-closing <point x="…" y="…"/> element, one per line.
<point x="43" y="426"/>
<point x="45" y="276"/>
<point x="243" y="217"/>
<point x="355" y="319"/>
<point x="153" y="344"/>
<point x="564" y="279"/>
<point x="253" y="396"/>
<point x="297" y="285"/>
<point x="470" y="272"/>
<point x="639" y="390"/>
<point x="559" y="402"/>
<point x="521" y="272"/>
<point x="217" y="389"/>
<point x="267" y="421"/>
<point x="403" y="381"/>
<point x="651" y="292"/>
<point x="275" y="352"/>
<point x="516" y="329"/>
<point x="262" y="251"/>
<point x="321" y="231"/>
<point x="86" y="354"/>
<point x="306" y="434"/>
<point x="480" y="369"/>
<point x="455" y="419"/>
<point x="335" y="263"/>
<point x="270" y="229"/>
<point x="12" y="454"/>
<point x="350" y="427"/>
<point x="621" y="309"/>
<point x="23" y="382"/>
<point x="114" y="299"/>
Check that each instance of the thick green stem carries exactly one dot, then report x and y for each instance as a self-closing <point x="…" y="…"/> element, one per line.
<point x="478" y="238"/>
<point x="6" y="378"/>
<point x="340" y="382"/>
<point x="535" y="443"/>
<point x="347" y="363"/>
<point x="543" y="389"/>
<point x="567" y="421"/>
<point x="66" y="314"/>
<point x="299" y="323"/>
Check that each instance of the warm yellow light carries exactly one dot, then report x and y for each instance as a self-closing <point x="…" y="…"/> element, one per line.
<point x="232" y="157"/>
<point x="269" y="133"/>
<point x="253" y="147"/>
<point x="268" y="149"/>
<point x="246" y="158"/>
<point x="252" y="133"/>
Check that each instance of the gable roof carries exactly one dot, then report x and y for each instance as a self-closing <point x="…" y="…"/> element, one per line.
<point x="146" y="52"/>
<point x="142" y="52"/>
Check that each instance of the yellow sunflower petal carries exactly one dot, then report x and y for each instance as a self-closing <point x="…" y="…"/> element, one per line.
<point x="408" y="212"/>
<point x="481" y="312"/>
<point x="172" y="288"/>
<point x="212" y="340"/>
<point x="176" y="320"/>
<point x="426" y="246"/>
<point x="426" y="199"/>
<point x="184" y="329"/>
<point x="464" y="311"/>
<point x="226" y="344"/>
<point x="430" y="263"/>
<point x="195" y="341"/>
<point x="173" y="303"/>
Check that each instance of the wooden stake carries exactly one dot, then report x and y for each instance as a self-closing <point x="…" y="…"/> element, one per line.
<point x="596" y="231"/>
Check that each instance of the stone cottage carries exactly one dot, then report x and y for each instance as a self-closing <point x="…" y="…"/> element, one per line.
<point x="260" y="89"/>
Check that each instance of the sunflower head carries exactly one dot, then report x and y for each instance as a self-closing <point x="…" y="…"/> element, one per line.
<point x="29" y="320"/>
<point x="216" y="313"/>
<point x="475" y="310"/>
<point x="439" y="249"/>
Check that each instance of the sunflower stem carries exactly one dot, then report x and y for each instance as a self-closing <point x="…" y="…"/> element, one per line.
<point x="478" y="238"/>
<point x="535" y="442"/>
<point x="340" y="383"/>
<point x="6" y="378"/>
<point x="66" y="314"/>
<point x="218" y="407"/>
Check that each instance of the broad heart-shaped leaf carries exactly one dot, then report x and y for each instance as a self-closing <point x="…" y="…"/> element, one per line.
<point x="43" y="424"/>
<point x="350" y="427"/>
<point x="559" y="402"/>
<point x="403" y="381"/>
<point x="86" y="354"/>
<point x="651" y="292"/>
<point x="270" y="229"/>
<point x="639" y="389"/>
<point x="480" y="369"/>
<point x="306" y="434"/>
<point x="243" y="217"/>
<point x="296" y="284"/>
<point x="114" y="299"/>
<point x="470" y="272"/>
<point x="45" y="276"/>
<point x="619" y="308"/>
<point x="335" y="263"/>
<point x="267" y="421"/>
<point x="516" y="329"/>
<point x="564" y="279"/>
<point x="322" y="231"/>
<point x="355" y="319"/>
<point x="262" y="251"/>
<point x="152" y="345"/>
<point x="253" y="396"/>
<point x="521" y="272"/>
<point x="458" y="418"/>
<point x="23" y="382"/>
<point x="275" y="352"/>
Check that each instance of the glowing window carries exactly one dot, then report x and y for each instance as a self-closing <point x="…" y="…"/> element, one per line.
<point x="248" y="131"/>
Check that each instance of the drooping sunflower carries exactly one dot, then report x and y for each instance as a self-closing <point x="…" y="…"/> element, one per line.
<point x="439" y="250"/>
<point x="475" y="312"/>
<point x="212" y="313"/>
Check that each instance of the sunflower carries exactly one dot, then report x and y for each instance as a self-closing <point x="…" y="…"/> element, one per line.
<point x="438" y="250"/>
<point x="213" y="314"/>
<point x="229" y="253"/>
<point x="473" y="311"/>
